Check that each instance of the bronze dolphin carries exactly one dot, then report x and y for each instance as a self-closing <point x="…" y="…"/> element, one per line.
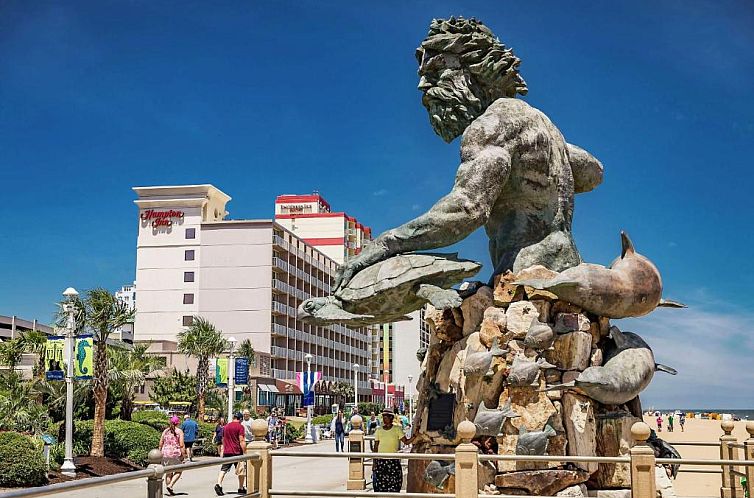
<point x="628" y="370"/>
<point x="630" y="287"/>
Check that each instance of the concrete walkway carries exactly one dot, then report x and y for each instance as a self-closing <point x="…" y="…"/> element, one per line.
<point x="323" y="474"/>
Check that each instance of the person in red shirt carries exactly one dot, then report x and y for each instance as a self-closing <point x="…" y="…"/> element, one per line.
<point x="234" y="444"/>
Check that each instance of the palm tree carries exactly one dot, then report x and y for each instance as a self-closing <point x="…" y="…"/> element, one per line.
<point x="128" y="370"/>
<point x="35" y="341"/>
<point x="18" y="412"/>
<point x="11" y="353"/>
<point x="100" y="313"/>
<point x="342" y="391"/>
<point x="202" y="341"/>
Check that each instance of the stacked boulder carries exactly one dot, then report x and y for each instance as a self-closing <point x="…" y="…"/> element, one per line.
<point x="497" y="354"/>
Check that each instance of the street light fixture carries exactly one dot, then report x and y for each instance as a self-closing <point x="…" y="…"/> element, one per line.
<point x="231" y="377"/>
<point x="69" y="468"/>
<point x="356" y="386"/>
<point x="308" y="439"/>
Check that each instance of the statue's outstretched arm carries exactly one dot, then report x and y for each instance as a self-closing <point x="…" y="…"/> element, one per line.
<point x="587" y="170"/>
<point x="478" y="184"/>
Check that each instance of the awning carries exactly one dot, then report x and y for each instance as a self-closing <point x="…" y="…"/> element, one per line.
<point x="287" y="387"/>
<point x="267" y="387"/>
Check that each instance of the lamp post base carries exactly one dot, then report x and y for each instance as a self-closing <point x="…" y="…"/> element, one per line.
<point x="68" y="468"/>
<point x="308" y="439"/>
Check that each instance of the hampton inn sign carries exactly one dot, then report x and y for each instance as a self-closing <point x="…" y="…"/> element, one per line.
<point x="160" y="218"/>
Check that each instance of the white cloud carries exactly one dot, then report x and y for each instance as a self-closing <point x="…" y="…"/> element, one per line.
<point x="380" y="192"/>
<point x="711" y="346"/>
<point x="415" y="207"/>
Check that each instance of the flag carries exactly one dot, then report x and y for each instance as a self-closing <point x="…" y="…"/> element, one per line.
<point x="54" y="365"/>
<point x="306" y="383"/>
<point x="241" y="372"/>
<point x="83" y="364"/>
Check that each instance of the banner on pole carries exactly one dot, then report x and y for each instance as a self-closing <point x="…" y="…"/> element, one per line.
<point x="83" y="364"/>
<point x="306" y="383"/>
<point x="54" y="364"/>
<point x="221" y="372"/>
<point x="242" y="372"/>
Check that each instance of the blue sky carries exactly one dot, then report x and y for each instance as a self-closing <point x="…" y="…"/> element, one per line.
<point x="263" y="98"/>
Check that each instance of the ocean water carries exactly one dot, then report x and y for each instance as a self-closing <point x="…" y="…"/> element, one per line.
<point x="742" y="414"/>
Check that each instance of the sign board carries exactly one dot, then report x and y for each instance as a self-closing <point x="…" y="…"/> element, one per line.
<point x="441" y="411"/>
<point x="54" y="364"/>
<point x="242" y="371"/>
<point x="160" y="218"/>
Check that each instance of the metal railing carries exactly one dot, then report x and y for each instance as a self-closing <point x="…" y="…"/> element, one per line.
<point x="641" y="461"/>
<point x="154" y="475"/>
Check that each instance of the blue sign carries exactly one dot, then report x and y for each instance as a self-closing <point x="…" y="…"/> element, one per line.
<point x="242" y="371"/>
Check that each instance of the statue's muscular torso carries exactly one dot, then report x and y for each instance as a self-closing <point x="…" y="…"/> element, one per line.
<point x="530" y="220"/>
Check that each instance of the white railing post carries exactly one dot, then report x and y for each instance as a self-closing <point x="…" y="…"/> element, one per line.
<point x="731" y="487"/>
<point x="467" y="462"/>
<point x="643" y="483"/>
<point x="259" y="478"/>
<point x="749" y="457"/>
<point x="154" y="483"/>
<point x="356" y="480"/>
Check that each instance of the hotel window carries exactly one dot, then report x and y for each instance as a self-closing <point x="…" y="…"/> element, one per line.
<point x="188" y="321"/>
<point x="188" y="299"/>
<point x="191" y="233"/>
<point x="188" y="276"/>
<point x="188" y="255"/>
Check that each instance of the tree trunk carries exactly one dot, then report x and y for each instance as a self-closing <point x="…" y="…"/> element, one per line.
<point x="100" y="399"/>
<point x="201" y="386"/>
<point x="126" y="405"/>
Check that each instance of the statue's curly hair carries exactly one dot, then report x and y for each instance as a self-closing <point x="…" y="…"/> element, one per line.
<point x="493" y="66"/>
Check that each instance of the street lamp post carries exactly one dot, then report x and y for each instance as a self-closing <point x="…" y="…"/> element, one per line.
<point x="231" y="377"/>
<point x="410" y="397"/>
<point x="69" y="468"/>
<point x="356" y="386"/>
<point x="308" y="439"/>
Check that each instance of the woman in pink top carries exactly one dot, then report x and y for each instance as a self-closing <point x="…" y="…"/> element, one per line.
<point x="173" y="451"/>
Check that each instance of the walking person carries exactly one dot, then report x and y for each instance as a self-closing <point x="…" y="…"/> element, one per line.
<point x="338" y="428"/>
<point x="659" y="423"/>
<point x="234" y="444"/>
<point x="246" y="422"/>
<point x="217" y="440"/>
<point x="272" y="427"/>
<point x="190" y="431"/>
<point x="670" y="422"/>
<point x="388" y="474"/>
<point x="682" y="420"/>
<point x="173" y="451"/>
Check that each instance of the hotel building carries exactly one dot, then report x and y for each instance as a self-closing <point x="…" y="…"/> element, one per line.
<point x="247" y="277"/>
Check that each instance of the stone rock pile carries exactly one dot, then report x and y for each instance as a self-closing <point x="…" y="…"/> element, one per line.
<point x="497" y="353"/>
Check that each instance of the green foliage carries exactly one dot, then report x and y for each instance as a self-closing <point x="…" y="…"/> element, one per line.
<point x="156" y="419"/>
<point x="322" y="420"/>
<point x="123" y="439"/>
<point x="18" y="411"/>
<point x="21" y="461"/>
<point x="176" y="386"/>
<point x="365" y="409"/>
<point x="207" y="431"/>
<point x="129" y="368"/>
<point x="292" y="433"/>
<point x="203" y="341"/>
<point x="11" y="352"/>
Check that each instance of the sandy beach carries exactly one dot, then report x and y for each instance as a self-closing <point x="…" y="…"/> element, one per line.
<point x="693" y="484"/>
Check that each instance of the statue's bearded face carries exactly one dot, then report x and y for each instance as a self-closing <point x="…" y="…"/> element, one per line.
<point x="448" y="95"/>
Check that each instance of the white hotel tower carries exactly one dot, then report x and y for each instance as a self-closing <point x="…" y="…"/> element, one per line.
<point x="245" y="276"/>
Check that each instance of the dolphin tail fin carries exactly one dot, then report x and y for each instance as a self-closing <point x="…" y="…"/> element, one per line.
<point x="560" y="387"/>
<point x="667" y="303"/>
<point x="627" y="247"/>
<point x="659" y="367"/>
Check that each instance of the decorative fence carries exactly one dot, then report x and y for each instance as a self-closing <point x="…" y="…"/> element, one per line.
<point x="466" y="457"/>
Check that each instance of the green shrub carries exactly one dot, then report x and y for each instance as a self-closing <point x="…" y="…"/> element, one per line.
<point x="153" y="418"/>
<point x="365" y="409"/>
<point x="207" y="431"/>
<point x="322" y="420"/>
<point x="123" y="439"/>
<point x="291" y="433"/>
<point x="21" y="461"/>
